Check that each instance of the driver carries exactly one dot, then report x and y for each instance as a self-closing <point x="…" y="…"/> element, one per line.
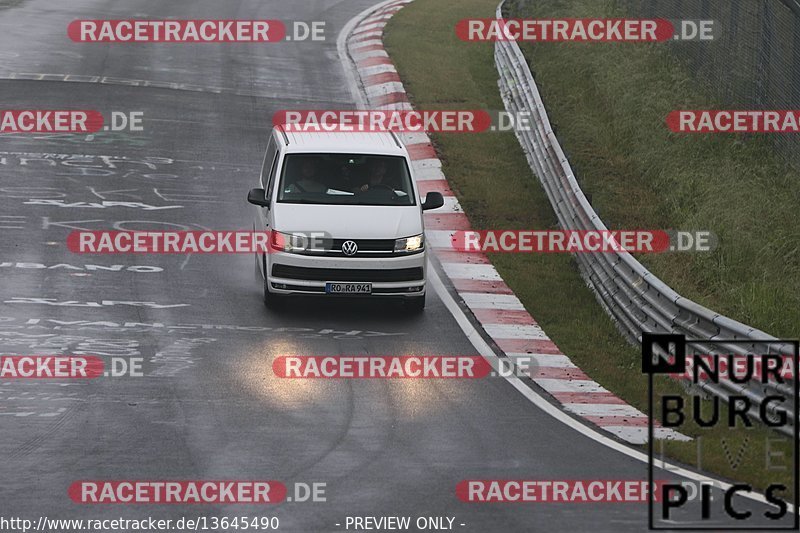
<point x="377" y="177"/>
<point x="309" y="181"/>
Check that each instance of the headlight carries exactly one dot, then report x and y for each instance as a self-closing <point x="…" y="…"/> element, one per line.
<point x="288" y="242"/>
<point x="410" y="244"/>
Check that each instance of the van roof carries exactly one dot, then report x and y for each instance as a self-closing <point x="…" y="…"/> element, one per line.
<point x="342" y="142"/>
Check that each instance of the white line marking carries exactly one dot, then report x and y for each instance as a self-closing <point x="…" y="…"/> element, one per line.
<point x="439" y="238"/>
<point x="425" y="164"/>
<point x="350" y="72"/>
<point x="377" y="69"/>
<point x="358" y="56"/>
<point x="397" y="106"/>
<point x="543" y="360"/>
<point x="370" y="34"/>
<point x="364" y="44"/>
<point x="423" y="173"/>
<point x="481" y="272"/>
<point x="477" y="300"/>
<point x="451" y="205"/>
<point x="384" y="88"/>
<point x="569" y="385"/>
<point x="604" y="409"/>
<point x="515" y="331"/>
<point x="638" y="435"/>
<point x="371" y="26"/>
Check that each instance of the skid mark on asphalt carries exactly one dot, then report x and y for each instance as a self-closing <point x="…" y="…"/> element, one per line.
<point x="32" y="444"/>
<point x="26" y="404"/>
<point x="152" y="84"/>
<point x="13" y="325"/>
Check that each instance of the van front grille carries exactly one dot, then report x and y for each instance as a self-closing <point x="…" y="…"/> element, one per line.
<point x="347" y="274"/>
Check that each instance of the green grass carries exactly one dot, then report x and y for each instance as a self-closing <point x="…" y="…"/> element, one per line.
<point x="639" y="176"/>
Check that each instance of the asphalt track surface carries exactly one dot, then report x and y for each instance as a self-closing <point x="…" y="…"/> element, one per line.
<point x="208" y="406"/>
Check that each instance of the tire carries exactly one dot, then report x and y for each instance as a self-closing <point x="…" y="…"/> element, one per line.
<point x="271" y="301"/>
<point x="415" y="304"/>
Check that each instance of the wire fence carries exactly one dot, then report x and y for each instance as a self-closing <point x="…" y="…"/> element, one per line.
<point x="753" y="62"/>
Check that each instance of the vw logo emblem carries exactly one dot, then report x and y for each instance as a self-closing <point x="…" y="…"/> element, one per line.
<point x="349" y="248"/>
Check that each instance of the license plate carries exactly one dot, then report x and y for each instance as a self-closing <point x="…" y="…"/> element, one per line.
<point x="348" y="288"/>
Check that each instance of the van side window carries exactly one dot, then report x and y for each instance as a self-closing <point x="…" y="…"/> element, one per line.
<point x="269" y="161"/>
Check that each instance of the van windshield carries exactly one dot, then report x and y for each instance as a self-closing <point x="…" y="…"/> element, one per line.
<point x="351" y="179"/>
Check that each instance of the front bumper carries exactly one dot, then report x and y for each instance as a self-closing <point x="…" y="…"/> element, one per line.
<point x="402" y="276"/>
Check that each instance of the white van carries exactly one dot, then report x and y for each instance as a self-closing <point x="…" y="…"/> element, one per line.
<point x="344" y="216"/>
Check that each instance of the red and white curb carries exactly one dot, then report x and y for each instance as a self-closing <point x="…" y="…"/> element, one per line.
<point x="491" y="301"/>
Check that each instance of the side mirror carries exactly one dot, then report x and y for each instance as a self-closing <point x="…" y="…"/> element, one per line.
<point x="258" y="197"/>
<point x="434" y="200"/>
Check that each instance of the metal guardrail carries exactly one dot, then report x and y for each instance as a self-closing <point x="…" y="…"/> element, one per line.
<point x="633" y="296"/>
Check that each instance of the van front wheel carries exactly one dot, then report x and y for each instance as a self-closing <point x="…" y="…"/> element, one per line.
<point x="271" y="300"/>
